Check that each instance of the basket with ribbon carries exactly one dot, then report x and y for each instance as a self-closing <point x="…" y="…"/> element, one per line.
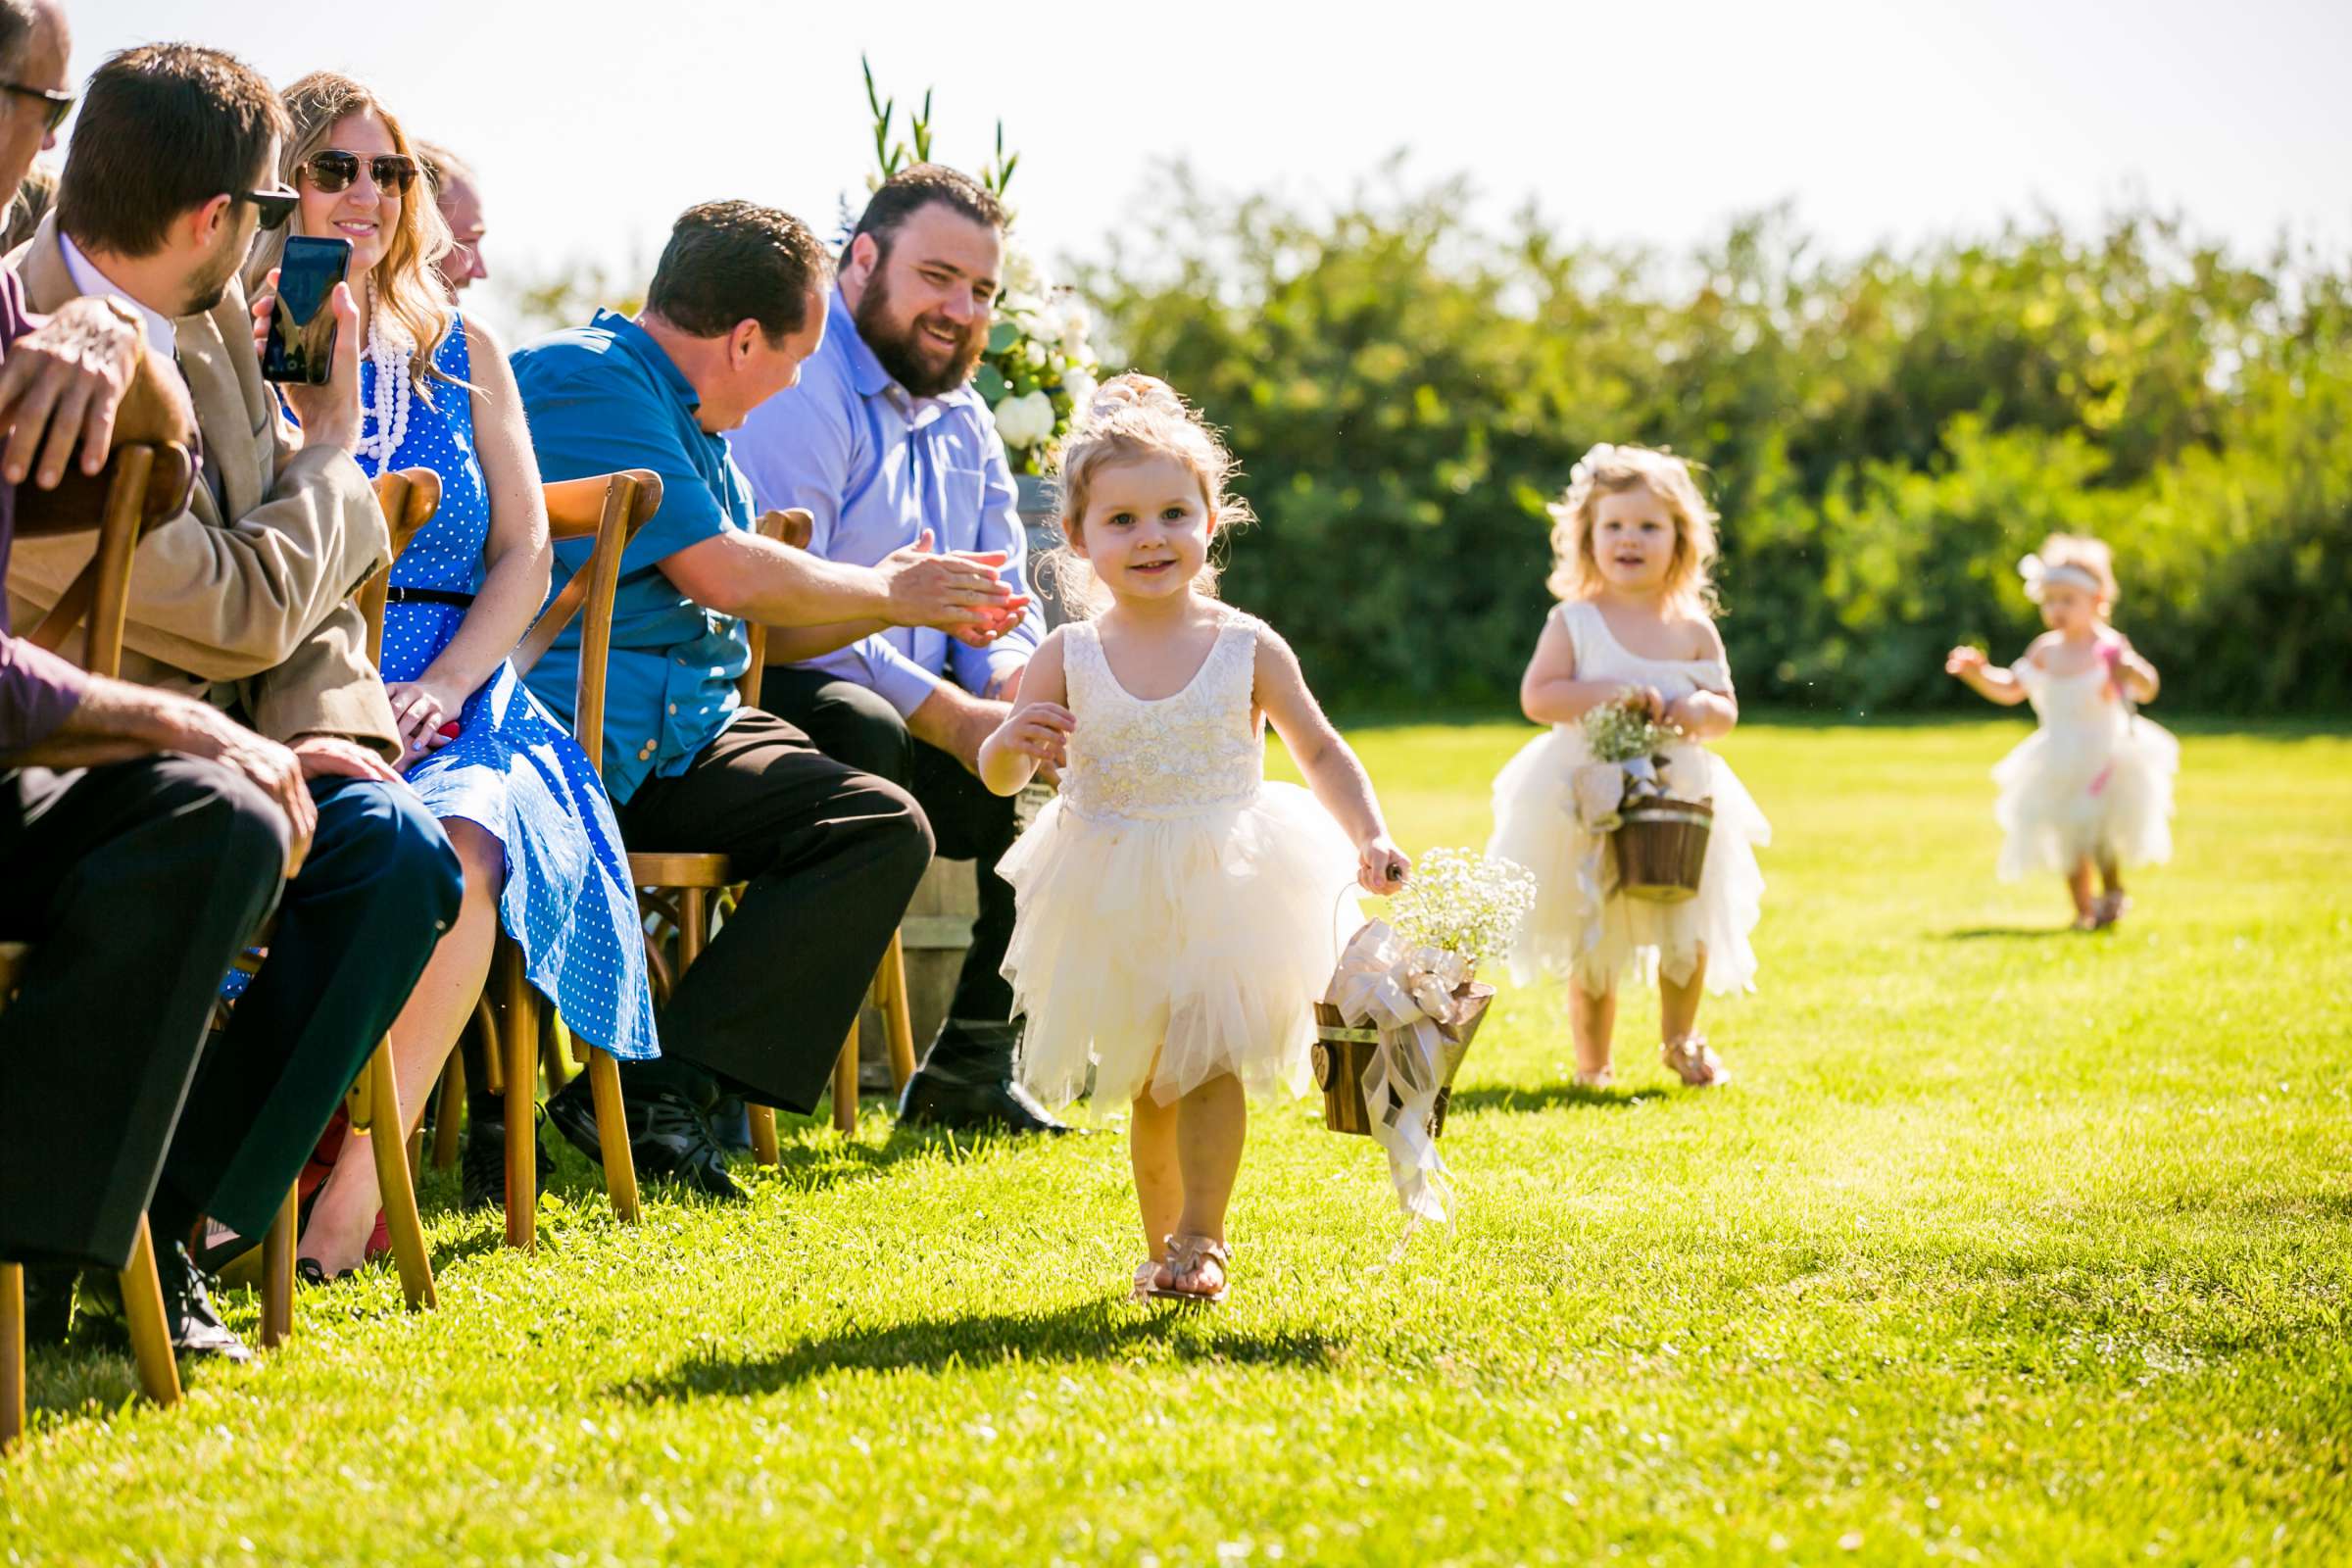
<point x="1627" y="794"/>
<point x="1392" y="1029"/>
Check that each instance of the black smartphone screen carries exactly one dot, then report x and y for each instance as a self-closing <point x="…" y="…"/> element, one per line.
<point x="302" y="329"/>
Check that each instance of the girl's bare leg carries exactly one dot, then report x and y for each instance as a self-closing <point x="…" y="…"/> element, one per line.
<point x="423" y="1037"/>
<point x="1159" y="1178"/>
<point x="2079" y="885"/>
<point x="1592" y="1024"/>
<point x="1677" y="1004"/>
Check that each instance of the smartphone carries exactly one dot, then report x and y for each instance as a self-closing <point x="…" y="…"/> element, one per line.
<point x="302" y="329"/>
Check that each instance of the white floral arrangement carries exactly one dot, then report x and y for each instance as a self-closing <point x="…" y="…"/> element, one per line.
<point x="1465" y="903"/>
<point x="1039" y="369"/>
<point x="1620" y="731"/>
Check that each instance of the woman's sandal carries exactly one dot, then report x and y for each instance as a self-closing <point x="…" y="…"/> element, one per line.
<point x="1696" y="1061"/>
<point x="1189" y="1257"/>
<point x="309" y="1271"/>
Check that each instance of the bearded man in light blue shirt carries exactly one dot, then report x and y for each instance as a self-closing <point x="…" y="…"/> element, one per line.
<point x="886" y="445"/>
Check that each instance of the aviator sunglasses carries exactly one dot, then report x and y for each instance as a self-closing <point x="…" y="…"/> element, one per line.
<point x="333" y="172"/>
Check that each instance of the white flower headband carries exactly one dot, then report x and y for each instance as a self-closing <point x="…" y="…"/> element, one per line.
<point x="2040" y="574"/>
<point x="1602" y="452"/>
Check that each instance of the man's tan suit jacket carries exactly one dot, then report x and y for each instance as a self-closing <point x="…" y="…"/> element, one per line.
<point x="244" y="599"/>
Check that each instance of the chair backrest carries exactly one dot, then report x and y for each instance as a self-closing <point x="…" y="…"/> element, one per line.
<point x="409" y="498"/>
<point x="142" y="483"/>
<point x="609" y="508"/>
<point x="794" y="526"/>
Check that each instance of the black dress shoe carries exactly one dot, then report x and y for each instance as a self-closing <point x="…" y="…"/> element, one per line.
<point x="668" y="1136"/>
<point x="482" y="1163"/>
<point x="194" y="1324"/>
<point x="1001" y="1105"/>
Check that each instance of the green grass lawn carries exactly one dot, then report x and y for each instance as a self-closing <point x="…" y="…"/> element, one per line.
<point x="2007" y="1246"/>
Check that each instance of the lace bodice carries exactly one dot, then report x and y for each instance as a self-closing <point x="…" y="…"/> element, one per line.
<point x="1178" y="755"/>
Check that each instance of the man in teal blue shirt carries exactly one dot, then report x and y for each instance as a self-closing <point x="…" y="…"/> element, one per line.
<point x="832" y="854"/>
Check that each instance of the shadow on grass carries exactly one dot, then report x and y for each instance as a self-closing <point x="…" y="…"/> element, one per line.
<point x="1101" y="1330"/>
<point x="1544" y="1097"/>
<point x="1977" y="933"/>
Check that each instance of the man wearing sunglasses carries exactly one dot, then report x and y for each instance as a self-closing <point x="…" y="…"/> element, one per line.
<point x="242" y="600"/>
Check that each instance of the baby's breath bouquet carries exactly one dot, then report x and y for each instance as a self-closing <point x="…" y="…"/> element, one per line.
<point x="1623" y="731"/>
<point x="1465" y="903"/>
<point x="1626" y="796"/>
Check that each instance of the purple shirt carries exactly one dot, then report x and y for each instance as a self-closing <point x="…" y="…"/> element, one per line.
<point x="875" y="467"/>
<point x="38" y="691"/>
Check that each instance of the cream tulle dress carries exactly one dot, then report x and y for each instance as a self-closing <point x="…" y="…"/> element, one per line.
<point x="1170" y="899"/>
<point x="2095" y="779"/>
<point x="1568" y="933"/>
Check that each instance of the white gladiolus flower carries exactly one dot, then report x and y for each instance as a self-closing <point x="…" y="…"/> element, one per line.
<point x="1024" y="422"/>
<point x="1081" y="387"/>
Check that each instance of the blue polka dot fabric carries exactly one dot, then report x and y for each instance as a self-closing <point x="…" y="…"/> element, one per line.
<point x="512" y="768"/>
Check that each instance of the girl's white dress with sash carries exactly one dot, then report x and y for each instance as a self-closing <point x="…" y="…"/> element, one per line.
<point x="2095" y="779"/>
<point x="1173" y="906"/>
<point x="1568" y="934"/>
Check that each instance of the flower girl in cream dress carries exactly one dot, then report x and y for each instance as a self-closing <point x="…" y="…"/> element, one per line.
<point x="1177" y="913"/>
<point x="1631" y="542"/>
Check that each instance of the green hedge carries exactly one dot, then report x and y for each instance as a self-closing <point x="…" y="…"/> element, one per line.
<point x="1886" y="435"/>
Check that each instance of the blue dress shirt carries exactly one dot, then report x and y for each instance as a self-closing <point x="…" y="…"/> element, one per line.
<point x="875" y="467"/>
<point x="600" y="398"/>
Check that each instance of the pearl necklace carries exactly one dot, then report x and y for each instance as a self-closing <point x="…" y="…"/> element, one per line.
<point x="388" y="402"/>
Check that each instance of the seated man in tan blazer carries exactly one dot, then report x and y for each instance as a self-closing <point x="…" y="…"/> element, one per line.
<point x="243" y="600"/>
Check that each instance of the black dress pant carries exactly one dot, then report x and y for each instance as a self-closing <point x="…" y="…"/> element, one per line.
<point x="969" y="822"/>
<point x="832" y="857"/>
<point x="137" y="883"/>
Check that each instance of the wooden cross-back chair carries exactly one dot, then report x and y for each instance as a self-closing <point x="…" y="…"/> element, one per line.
<point x="142" y="484"/>
<point x="409" y="498"/>
<point x="608" y="509"/>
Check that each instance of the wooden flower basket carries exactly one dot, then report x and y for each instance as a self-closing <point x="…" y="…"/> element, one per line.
<point x="1661" y="846"/>
<point x="1343" y="1053"/>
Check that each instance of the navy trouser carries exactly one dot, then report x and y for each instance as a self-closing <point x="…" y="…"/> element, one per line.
<point x="137" y="883"/>
<point x="354" y="932"/>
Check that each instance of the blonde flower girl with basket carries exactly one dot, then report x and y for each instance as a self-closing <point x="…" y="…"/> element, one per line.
<point x="1632" y="543"/>
<point x="1177" y="913"/>
<point x="2090" y="791"/>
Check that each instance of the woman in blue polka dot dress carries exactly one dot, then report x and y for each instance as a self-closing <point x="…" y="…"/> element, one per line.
<point x="518" y="798"/>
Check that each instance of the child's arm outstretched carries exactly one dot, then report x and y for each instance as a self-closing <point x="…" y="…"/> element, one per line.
<point x="1036" y="733"/>
<point x="1331" y="768"/>
<point x="1549" y="692"/>
<point x="1987" y="679"/>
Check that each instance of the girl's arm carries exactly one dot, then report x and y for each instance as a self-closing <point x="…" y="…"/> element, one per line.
<point x="1036" y="732"/>
<point x="1549" y="692"/>
<point x="517" y="555"/>
<point x="1982" y="677"/>
<point x="2135" y="675"/>
<point x="1704" y="714"/>
<point x="1331" y="768"/>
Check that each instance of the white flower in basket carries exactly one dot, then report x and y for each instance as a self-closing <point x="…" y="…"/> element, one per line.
<point x="1626" y="798"/>
<point x="1398" y="1018"/>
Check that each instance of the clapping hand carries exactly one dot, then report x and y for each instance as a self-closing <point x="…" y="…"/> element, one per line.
<point x="956" y="593"/>
<point x="1964" y="662"/>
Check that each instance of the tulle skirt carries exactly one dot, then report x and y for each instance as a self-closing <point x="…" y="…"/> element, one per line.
<point x="1594" y="941"/>
<point x="2075" y="791"/>
<point x="1200" y="940"/>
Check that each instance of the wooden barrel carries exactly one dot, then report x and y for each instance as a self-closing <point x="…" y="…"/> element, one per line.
<point x="1661" y="847"/>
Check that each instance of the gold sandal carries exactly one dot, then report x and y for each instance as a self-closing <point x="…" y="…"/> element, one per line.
<point x="1696" y="1061"/>
<point x="1188" y="1257"/>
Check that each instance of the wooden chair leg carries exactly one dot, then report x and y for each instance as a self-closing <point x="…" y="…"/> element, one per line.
<point x="612" y="1135"/>
<point x="485" y="1018"/>
<point x="150" y="1337"/>
<point x="763" y="1134"/>
<point x="551" y="1052"/>
<point x="890" y="993"/>
<point x="12" y="1354"/>
<point x="277" y="1274"/>
<point x="395" y="1187"/>
<point x="845" y="1083"/>
<point x="522" y="1125"/>
<point x="694" y="926"/>
<point x="451" y="1113"/>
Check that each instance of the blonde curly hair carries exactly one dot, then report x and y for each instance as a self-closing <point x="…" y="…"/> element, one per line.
<point x="1607" y="470"/>
<point x="1133" y="416"/>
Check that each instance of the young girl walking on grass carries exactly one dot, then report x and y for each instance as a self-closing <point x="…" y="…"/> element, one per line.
<point x="1177" y="913"/>
<point x="2089" y="792"/>
<point x="1632" y="544"/>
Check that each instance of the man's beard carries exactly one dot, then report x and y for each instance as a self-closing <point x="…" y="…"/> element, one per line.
<point x="897" y="349"/>
<point x="209" y="286"/>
